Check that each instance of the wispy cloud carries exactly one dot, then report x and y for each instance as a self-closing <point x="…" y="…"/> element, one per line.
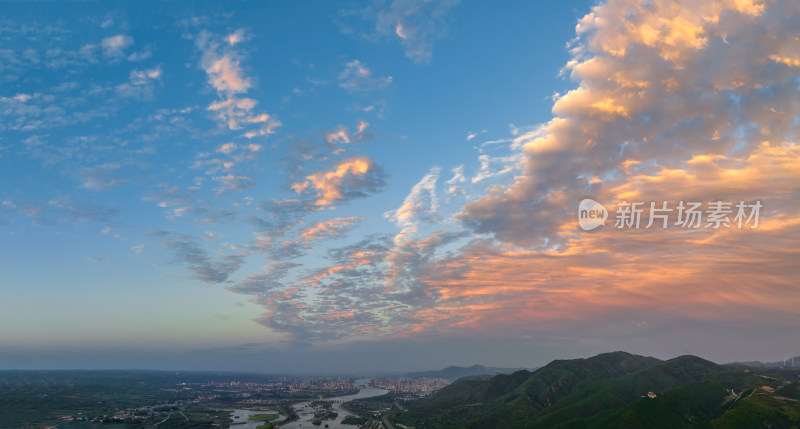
<point x="331" y="228"/>
<point x="416" y="24"/>
<point x="222" y="63"/>
<point x="141" y="84"/>
<point x="350" y="178"/>
<point x="114" y="46"/>
<point x="100" y="177"/>
<point x="230" y="183"/>
<point x="55" y="211"/>
<point x="186" y="250"/>
<point x="357" y="77"/>
<point x="419" y="205"/>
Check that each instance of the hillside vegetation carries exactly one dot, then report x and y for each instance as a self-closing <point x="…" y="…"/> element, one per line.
<point x="611" y="390"/>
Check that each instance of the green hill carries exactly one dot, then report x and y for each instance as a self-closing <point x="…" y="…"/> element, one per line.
<point x="511" y="400"/>
<point x="591" y="399"/>
<point x="761" y="409"/>
<point x="608" y="390"/>
<point x="691" y="405"/>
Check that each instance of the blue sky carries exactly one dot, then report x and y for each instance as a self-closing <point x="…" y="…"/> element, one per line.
<point x="209" y="186"/>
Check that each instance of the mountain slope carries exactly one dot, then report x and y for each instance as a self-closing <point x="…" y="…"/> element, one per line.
<point x="610" y="390"/>
<point x="592" y="398"/>
<point x="690" y="405"/>
<point x="507" y="400"/>
<point x="761" y="409"/>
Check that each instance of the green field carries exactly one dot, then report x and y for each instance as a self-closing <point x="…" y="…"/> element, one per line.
<point x="263" y="417"/>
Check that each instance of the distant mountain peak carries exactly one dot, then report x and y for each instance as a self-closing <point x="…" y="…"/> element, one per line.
<point x="453" y="372"/>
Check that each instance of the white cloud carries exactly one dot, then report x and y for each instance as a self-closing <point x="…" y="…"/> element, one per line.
<point x="419" y="205"/>
<point x="225" y="74"/>
<point x="227" y="148"/>
<point x="455" y="181"/>
<point x="141" y="83"/>
<point x="115" y="46"/>
<point x="140" y="56"/>
<point x="237" y="36"/>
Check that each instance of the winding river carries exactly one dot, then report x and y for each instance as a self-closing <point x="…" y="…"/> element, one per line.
<point x="241" y="418"/>
<point x="306" y="413"/>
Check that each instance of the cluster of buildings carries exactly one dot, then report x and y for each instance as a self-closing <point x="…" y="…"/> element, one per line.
<point x="320" y="385"/>
<point x="283" y="385"/>
<point x="241" y="391"/>
<point x="144" y="413"/>
<point x="413" y="386"/>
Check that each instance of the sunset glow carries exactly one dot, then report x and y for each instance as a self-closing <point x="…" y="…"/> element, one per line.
<point x="278" y="185"/>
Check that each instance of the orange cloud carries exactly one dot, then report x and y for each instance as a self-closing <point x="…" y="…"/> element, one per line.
<point x="348" y="176"/>
<point x="329" y="228"/>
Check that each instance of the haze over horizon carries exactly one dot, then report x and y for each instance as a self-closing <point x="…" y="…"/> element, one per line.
<point x="393" y="186"/>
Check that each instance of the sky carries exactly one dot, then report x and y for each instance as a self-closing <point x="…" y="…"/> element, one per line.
<point x="394" y="185"/>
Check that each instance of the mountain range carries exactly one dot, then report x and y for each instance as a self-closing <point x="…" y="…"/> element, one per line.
<point x="453" y="373"/>
<point x="618" y="390"/>
<point x="791" y="362"/>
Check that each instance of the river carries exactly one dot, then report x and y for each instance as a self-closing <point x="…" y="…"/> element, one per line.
<point x="306" y="413"/>
<point x="241" y="418"/>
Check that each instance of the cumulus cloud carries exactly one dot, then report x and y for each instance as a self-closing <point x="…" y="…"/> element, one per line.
<point x="656" y="81"/>
<point x="357" y="77"/>
<point x="225" y="74"/>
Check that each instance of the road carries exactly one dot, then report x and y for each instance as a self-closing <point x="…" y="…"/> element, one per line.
<point x="165" y="419"/>
<point x="386" y="422"/>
